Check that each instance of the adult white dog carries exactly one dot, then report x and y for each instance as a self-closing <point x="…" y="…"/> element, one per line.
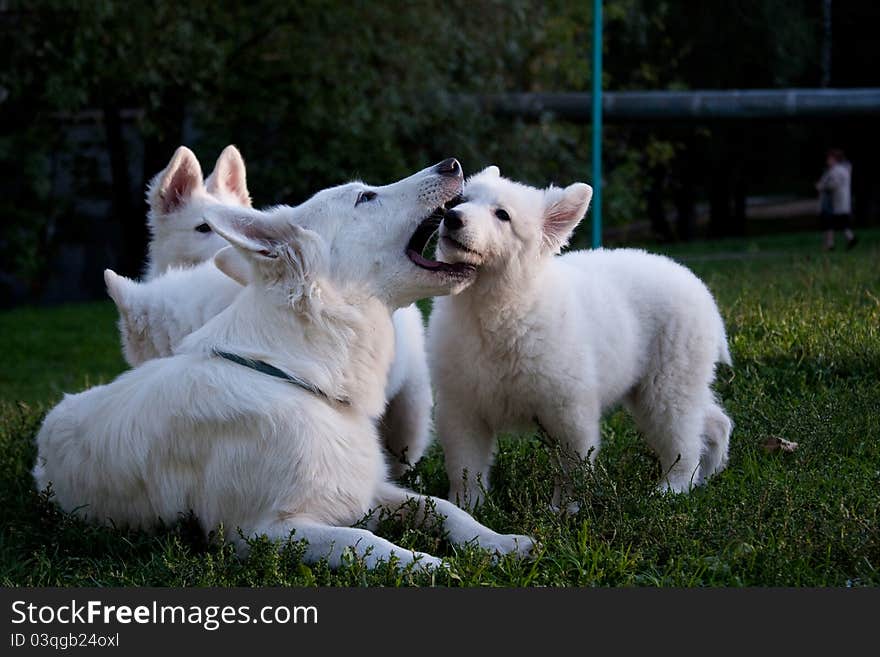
<point x="264" y="420"/>
<point x="184" y="289"/>
<point x="558" y="340"/>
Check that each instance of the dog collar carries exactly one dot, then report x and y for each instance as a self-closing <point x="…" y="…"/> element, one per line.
<point x="270" y="370"/>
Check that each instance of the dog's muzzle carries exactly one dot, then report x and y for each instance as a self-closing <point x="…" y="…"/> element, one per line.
<point x="452" y="220"/>
<point x="449" y="167"/>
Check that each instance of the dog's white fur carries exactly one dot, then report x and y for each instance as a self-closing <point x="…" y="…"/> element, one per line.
<point x="176" y="300"/>
<point x="406" y="424"/>
<point x="175" y="196"/>
<point x="239" y="447"/>
<point x="155" y="316"/>
<point x="561" y="339"/>
<point x="184" y="288"/>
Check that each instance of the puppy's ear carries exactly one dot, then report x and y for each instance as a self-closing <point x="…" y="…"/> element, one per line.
<point x="233" y="264"/>
<point x="489" y="172"/>
<point x="563" y="210"/>
<point x="229" y="175"/>
<point x="118" y="287"/>
<point x="174" y="186"/>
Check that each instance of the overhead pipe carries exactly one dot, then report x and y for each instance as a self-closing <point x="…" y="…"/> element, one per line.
<point x="690" y="105"/>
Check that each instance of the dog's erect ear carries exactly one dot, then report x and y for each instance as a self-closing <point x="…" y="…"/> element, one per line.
<point x="563" y="210"/>
<point x="230" y="175"/>
<point x="230" y="261"/>
<point x="118" y="287"/>
<point x="276" y="247"/>
<point x="251" y="231"/>
<point x="490" y="172"/>
<point x="176" y="184"/>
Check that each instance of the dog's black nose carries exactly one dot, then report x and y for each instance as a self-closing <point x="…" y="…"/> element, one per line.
<point x="452" y="220"/>
<point x="449" y="167"/>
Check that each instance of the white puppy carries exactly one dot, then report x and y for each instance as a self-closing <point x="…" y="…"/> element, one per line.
<point x="179" y="234"/>
<point x="265" y="418"/>
<point x="155" y="316"/>
<point x="558" y="340"/>
<point x="185" y="288"/>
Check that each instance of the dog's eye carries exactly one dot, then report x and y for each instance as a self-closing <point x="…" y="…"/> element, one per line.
<point x="203" y="228"/>
<point x="502" y="214"/>
<point x="364" y="197"/>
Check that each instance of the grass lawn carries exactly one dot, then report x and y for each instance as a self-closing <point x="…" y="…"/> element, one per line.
<point x="805" y="336"/>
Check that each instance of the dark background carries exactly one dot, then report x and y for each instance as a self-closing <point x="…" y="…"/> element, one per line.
<point x="95" y="96"/>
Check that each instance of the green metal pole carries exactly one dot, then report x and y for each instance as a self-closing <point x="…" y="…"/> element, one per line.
<point x="597" y="123"/>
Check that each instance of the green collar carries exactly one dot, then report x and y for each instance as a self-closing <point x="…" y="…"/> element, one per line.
<point x="271" y="370"/>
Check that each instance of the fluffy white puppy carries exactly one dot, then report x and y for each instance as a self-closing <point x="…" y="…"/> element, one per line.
<point x="184" y="289"/>
<point x="265" y="418"/>
<point x="556" y="341"/>
<point x="155" y="316"/>
<point x="179" y="234"/>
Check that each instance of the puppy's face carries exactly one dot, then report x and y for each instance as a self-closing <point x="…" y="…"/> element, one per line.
<point x="178" y="196"/>
<point x="501" y="223"/>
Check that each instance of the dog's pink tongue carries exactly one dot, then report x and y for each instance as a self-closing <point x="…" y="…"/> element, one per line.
<point x="421" y="260"/>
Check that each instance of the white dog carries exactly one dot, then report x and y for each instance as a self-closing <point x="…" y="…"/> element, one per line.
<point x="558" y="340"/>
<point x="185" y="288"/>
<point x="179" y="298"/>
<point x="265" y="418"/>
<point x="179" y="234"/>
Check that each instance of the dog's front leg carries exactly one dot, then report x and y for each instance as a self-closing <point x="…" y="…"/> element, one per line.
<point x="406" y="425"/>
<point x="461" y="526"/>
<point x="575" y="435"/>
<point x="331" y="543"/>
<point x="468" y="445"/>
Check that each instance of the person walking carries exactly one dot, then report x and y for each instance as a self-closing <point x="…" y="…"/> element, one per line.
<point x="835" y="199"/>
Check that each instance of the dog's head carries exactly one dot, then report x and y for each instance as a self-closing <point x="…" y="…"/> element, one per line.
<point x="501" y="223"/>
<point x="353" y="235"/>
<point x="180" y="236"/>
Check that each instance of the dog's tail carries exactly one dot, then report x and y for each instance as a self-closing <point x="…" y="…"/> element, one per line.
<point x="118" y="288"/>
<point x="724" y="349"/>
<point x="724" y="354"/>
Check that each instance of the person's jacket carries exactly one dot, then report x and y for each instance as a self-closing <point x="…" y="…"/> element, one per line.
<point x="836" y="181"/>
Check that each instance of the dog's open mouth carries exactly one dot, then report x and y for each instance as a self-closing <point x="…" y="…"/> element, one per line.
<point x="459" y="246"/>
<point x="420" y="239"/>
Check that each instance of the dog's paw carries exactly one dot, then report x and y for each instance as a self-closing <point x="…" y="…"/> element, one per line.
<point x="515" y="544"/>
<point x="667" y="487"/>
<point x="426" y="563"/>
<point x="465" y="499"/>
<point x="572" y="509"/>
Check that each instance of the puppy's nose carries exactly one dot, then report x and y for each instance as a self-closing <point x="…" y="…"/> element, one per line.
<point x="452" y="220"/>
<point x="449" y="167"/>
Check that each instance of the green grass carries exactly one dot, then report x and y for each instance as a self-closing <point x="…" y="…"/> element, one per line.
<point x="805" y="336"/>
<point x="47" y="352"/>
